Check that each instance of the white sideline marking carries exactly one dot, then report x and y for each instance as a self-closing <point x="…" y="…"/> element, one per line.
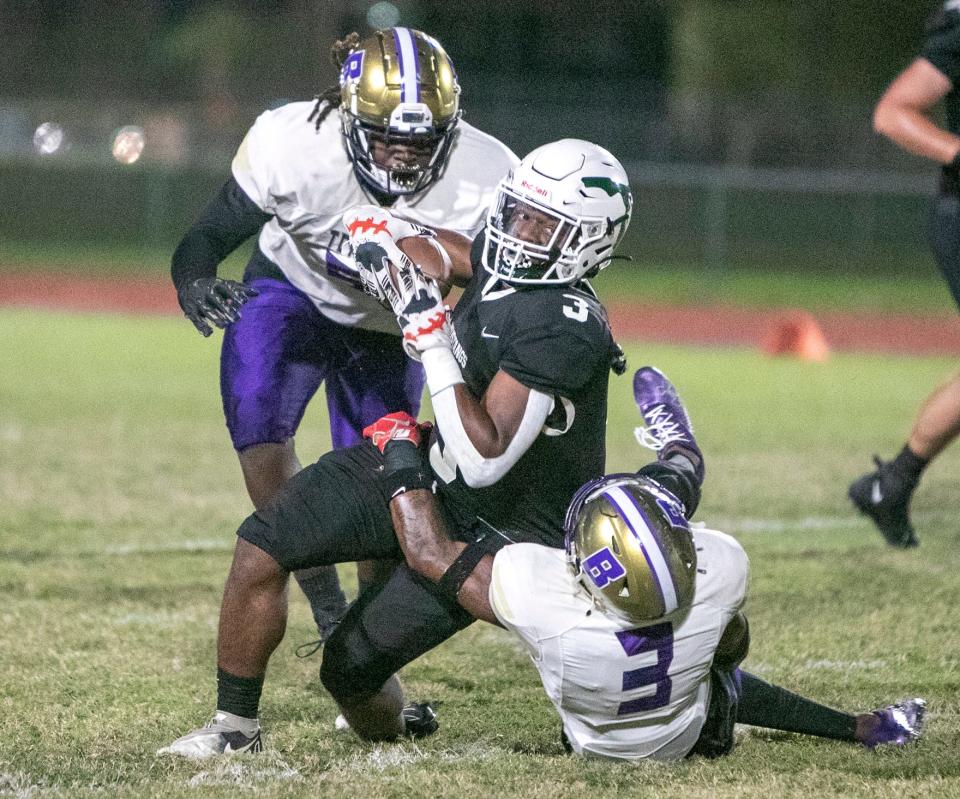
<point x="14" y="434"/>
<point x="763" y="667"/>
<point x="229" y="771"/>
<point x="388" y="756"/>
<point x="845" y="665"/>
<point x="190" y="545"/>
<point x="17" y="785"/>
<point x="748" y="524"/>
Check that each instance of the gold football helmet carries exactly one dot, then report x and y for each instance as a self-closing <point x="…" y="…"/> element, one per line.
<point x="399" y="108"/>
<point x="631" y="548"/>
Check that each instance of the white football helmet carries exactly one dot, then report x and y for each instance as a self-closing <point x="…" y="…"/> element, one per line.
<point x="558" y="215"/>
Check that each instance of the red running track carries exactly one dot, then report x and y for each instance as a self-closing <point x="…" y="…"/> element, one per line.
<point x="709" y="325"/>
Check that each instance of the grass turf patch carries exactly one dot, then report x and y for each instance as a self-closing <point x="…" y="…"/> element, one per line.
<point x="121" y="495"/>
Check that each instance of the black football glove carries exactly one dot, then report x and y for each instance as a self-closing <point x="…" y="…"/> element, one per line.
<point x="213" y="301"/>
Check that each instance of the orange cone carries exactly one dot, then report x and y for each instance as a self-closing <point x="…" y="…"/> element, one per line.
<point x="795" y="333"/>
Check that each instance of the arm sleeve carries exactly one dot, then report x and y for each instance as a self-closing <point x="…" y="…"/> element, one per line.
<point x="229" y="220"/>
<point x="942" y="49"/>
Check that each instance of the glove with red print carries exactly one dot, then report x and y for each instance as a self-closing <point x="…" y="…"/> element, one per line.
<point x="382" y="265"/>
<point x="425" y="320"/>
<point x="399" y="426"/>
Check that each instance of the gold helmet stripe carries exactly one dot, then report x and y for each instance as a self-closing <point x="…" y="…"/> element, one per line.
<point x="409" y="65"/>
<point x="662" y="578"/>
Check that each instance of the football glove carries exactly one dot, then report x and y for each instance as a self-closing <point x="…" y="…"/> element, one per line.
<point x="425" y="320"/>
<point x="374" y="233"/>
<point x="213" y="301"/>
<point x="399" y="426"/>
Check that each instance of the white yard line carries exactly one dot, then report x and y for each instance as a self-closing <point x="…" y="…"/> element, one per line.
<point x="750" y="524"/>
<point x="189" y="545"/>
<point x="231" y="771"/>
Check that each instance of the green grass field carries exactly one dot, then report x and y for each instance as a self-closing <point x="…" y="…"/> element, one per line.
<point x="121" y="494"/>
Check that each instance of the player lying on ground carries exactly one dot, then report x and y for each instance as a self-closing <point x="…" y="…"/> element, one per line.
<point x="518" y="376"/>
<point x="389" y="132"/>
<point x="638" y="629"/>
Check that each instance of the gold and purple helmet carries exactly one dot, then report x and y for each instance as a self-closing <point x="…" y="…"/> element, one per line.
<point x="630" y="547"/>
<point x="398" y="87"/>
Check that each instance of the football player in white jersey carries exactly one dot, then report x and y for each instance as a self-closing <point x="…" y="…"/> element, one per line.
<point x="389" y="134"/>
<point x="637" y="629"/>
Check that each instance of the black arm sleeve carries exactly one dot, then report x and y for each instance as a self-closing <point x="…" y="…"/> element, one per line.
<point x="229" y="220"/>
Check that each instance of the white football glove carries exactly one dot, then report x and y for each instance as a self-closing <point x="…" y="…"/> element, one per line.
<point x="374" y="233"/>
<point x="425" y="320"/>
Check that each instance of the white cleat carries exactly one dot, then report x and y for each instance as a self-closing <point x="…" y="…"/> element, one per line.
<point x="224" y="734"/>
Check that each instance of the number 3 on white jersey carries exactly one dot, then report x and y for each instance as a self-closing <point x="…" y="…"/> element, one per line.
<point x="578" y="310"/>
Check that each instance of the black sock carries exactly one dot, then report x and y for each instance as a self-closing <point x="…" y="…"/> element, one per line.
<point x="321" y="586"/>
<point x="679" y="477"/>
<point x="909" y="465"/>
<point x="238" y="695"/>
<point x="765" y="705"/>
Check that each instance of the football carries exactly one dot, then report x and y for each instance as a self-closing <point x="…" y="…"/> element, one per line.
<point x="419" y="250"/>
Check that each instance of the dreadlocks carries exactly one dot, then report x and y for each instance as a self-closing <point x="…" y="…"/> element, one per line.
<point x="331" y="95"/>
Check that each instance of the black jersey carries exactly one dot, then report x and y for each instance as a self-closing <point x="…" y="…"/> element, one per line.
<point x="942" y="49"/>
<point x="555" y="339"/>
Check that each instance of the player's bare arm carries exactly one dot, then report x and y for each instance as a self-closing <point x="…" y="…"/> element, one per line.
<point x="430" y="551"/>
<point x="902" y="113"/>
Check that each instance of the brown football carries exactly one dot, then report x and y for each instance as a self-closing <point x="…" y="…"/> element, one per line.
<point x="424" y="255"/>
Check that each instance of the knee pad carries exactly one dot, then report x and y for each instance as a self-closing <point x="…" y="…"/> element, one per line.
<point x="352" y="668"/>
<point x="388" y="626"/>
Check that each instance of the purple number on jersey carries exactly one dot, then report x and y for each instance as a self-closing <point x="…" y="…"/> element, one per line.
<point x="655" y="638"/>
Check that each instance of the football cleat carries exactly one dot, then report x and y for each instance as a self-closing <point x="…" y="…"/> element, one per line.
<point x="897" y="724"/>
<point x="419" y="720"/>
<point x="224" y="734"/>
<point x="884" y="496"/>
<point x="668" y="429"/>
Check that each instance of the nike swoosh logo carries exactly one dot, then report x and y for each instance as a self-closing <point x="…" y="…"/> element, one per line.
<point x="876" y="496"/>
<point x="485" y="334"/>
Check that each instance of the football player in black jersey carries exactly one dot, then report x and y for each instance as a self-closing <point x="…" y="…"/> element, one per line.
<point x="903" y="114"/>
<point x="518" y="380"/>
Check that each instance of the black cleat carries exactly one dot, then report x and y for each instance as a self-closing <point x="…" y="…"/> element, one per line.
<point x="419" y="720"/>
<point x="884" y="496"/>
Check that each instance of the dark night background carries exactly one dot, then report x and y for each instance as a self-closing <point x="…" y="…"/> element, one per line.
<point x="745" y="126"/>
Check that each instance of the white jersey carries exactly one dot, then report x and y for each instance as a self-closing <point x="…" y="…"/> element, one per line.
<point x="305" y="179"/>
<point x="622" y="691"/>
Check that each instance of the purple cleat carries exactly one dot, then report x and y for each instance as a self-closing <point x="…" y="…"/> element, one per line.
<point x="668" y="430"/>
<point x="898" y="724"/>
